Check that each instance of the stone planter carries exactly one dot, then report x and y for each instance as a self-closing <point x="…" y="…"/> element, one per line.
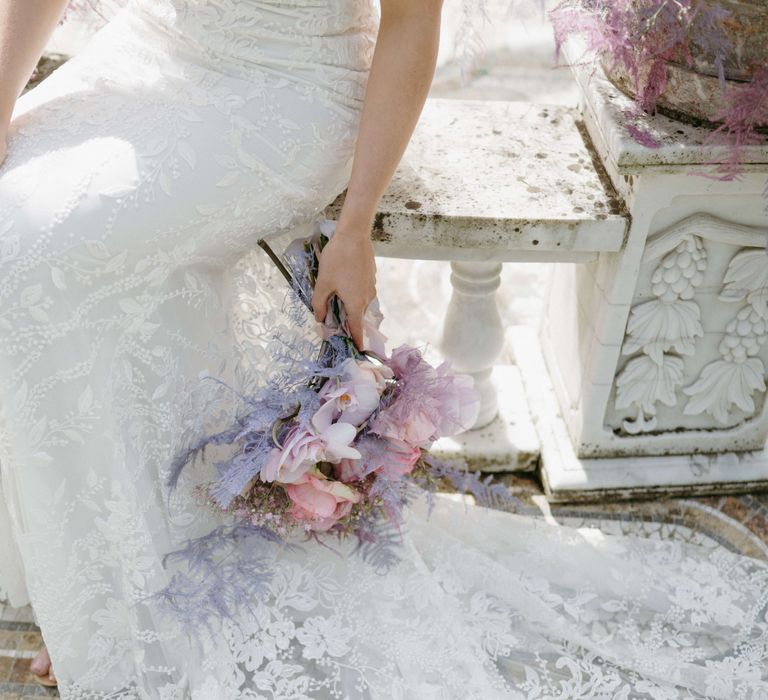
<point x="695" y="93"/>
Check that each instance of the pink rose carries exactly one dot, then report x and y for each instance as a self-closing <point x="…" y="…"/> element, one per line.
<point x="319" y="501"/>
<point x="400" y="459"/>
<point x="393" y="458"/>
<point x="302" y="449"/>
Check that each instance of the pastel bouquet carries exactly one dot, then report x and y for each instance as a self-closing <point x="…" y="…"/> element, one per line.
<point x="337" y="444"/>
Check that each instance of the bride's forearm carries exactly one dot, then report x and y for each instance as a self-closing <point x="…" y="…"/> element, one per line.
<point x="25" y="27"/>
<point x="401" y="73"/>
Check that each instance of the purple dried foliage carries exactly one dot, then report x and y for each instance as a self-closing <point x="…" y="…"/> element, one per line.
<point x="374" y="451"/>
<point x="390" y="496"/>
<point x="223" y="572"/>
<point x="378" y="543"/>
<point x="188" y="455"/>
<point x="485" y="490"/>
<point x="236" y="473"/>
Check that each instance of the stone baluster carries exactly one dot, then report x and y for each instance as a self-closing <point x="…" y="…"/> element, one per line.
<point x="473" y="336"/>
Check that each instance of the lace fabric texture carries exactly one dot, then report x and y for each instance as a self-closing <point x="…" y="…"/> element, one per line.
<point x="139" y="177"/>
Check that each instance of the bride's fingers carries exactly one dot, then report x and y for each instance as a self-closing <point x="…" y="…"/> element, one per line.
<point x="355" y="324"/>
<point x="320" y="298"/>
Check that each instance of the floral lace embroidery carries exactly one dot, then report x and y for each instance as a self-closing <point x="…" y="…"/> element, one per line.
<point x="139" y="177"/>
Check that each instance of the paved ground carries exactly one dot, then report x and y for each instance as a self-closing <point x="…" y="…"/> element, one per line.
<point x="414" y="297"/>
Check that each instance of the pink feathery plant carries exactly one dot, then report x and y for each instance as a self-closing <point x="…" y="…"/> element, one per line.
<point x="746" y="111"/>
<point x="641" y="37"/>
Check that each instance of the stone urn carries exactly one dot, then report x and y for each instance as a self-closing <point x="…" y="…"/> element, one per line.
<point x="695" y="93"/>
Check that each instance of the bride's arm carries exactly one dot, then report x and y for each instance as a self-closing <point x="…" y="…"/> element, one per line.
<point x="25" y="27"/>
<point x="401" y="73"/>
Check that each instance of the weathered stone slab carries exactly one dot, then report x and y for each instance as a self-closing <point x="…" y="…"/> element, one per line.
<point x="498" y="180"/>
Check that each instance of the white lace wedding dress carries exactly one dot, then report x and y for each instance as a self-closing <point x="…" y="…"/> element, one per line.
<point x="139" y="177"/>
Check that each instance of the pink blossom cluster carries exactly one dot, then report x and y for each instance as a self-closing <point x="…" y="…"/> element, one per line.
<point x="403" y="403"/>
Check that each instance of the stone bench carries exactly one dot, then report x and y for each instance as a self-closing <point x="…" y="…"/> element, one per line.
<point x="487" y="182"/>
<point x="646" y="376"/>
<point x="502" y="181"/>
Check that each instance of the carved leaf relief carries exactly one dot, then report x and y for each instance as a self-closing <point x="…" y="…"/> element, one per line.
<point x="747" y="277"/>
<point x="733" y="380"/>
<point x="724" y="383"/>
<point x="670" y="322"/>
<point x="644" y="382"/>
<point x="657" y="326"/>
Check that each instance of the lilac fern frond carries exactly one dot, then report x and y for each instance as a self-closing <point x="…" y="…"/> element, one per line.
<point x="222" y="572"/>
<point x="188" y="454"/>
<point x="485" y="490"/>
<point x="393" y="494"/>
<point x="236" y="473"/>
<point x="378" y="544"/>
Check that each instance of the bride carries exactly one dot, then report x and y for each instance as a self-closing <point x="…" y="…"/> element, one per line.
<point x="137" y="180"/>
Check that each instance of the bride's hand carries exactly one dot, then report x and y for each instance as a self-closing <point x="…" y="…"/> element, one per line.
<point x="348" y="270"/>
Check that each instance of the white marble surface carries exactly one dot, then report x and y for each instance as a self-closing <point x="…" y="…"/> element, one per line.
<point x="566" y="477"/>
<point x="660" y="349"/>
<point x="487" y="179"/>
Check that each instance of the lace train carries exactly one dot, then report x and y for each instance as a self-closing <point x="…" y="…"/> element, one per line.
<point x="139" y="177"/>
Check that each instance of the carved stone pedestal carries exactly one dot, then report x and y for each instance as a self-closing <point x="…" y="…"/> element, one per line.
<point x="656" y="355"/>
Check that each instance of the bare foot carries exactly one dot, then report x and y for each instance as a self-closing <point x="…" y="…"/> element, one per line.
<point x="42" y="669"/>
